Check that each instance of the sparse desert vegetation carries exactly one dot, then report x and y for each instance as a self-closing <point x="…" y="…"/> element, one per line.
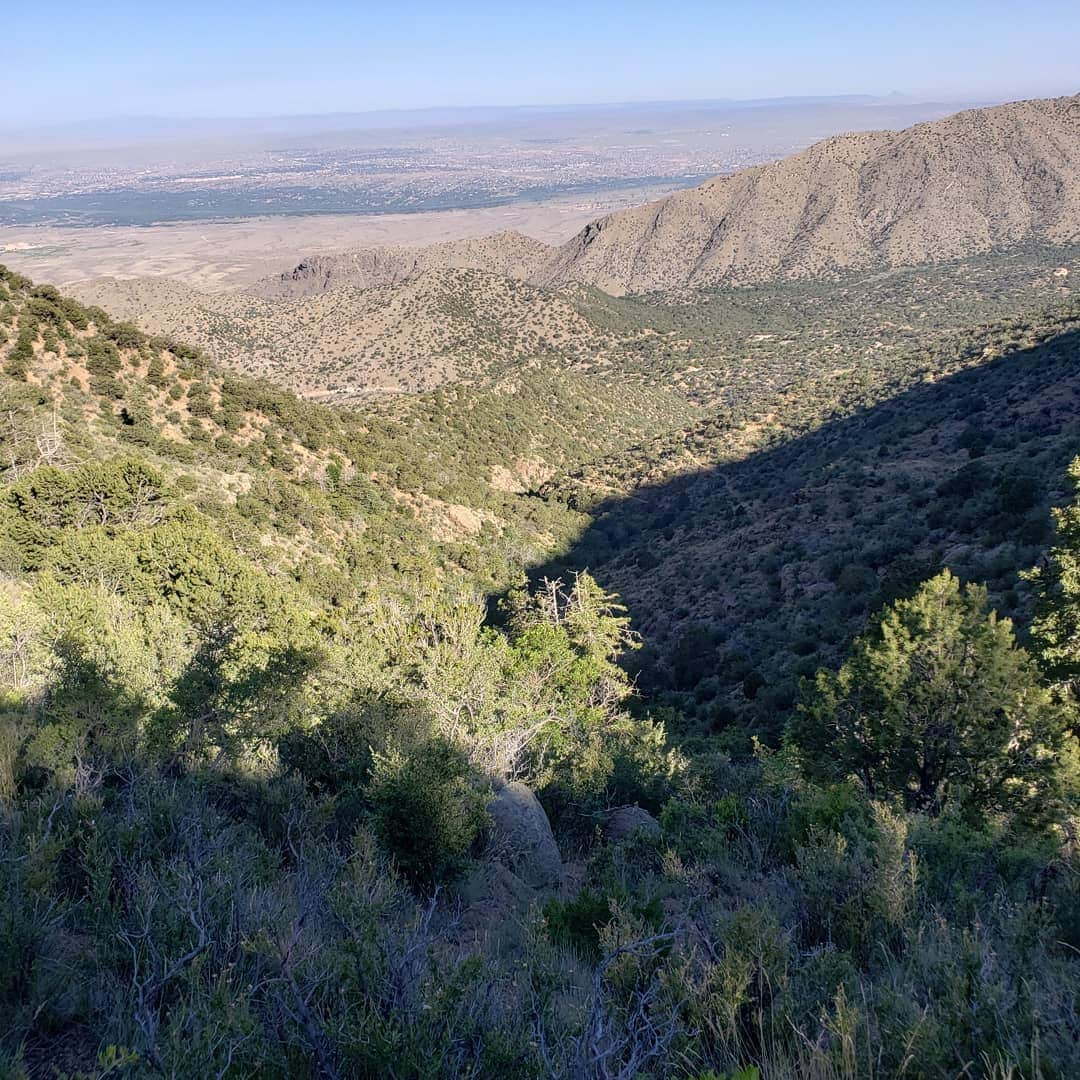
<point x="462" y="676"/>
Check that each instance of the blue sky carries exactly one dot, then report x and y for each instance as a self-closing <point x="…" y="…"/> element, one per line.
<point x="67" y="61"/>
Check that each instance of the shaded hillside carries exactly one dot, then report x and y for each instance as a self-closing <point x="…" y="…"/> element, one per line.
<point x="439" y="482"/>
<point x="758" y="567"/>
<point x="977" y="181"/>
<point x="277" y="801"/>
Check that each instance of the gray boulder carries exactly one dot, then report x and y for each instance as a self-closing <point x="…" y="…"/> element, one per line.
<point x="494" y="907"/>
<point x="626" y="821"/>
<point x="521" y="837"/>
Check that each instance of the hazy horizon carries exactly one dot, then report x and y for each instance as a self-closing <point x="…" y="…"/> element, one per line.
<point x="149" y="125"/>
<point x="259" y="62"/>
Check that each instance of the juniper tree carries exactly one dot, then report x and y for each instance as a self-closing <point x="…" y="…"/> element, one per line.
<point x="937" y="704"/>
<point x="1056" y="629"/>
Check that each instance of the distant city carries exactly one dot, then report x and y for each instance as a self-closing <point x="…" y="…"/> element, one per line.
<point x="138" y="174"/>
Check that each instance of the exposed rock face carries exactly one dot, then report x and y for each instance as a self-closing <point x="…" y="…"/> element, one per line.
<point x="521" y="837"/>
<point x="972" y="182"/>
<point x="495" y="903"/>
<point x="627" y="821"/>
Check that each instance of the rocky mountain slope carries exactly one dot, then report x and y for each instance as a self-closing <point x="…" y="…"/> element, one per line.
<point x="973" y="182"/>
<point x="977" y="181"/>
<point x="415" y="473"/>
<point x="742" y="543"/>
<point x="410" y="319"/>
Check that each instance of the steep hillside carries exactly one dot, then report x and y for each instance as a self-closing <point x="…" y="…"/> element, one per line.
<point x="440" y="326"/>
<point x="973" y="182"/>
<point x="432" y="480"/>
<point x="640" y="456"/>
<point x="710" y="347"/>
<point x="752" y="545"/>
<point x="279" y="797"/>
<point x="977" y="181"/>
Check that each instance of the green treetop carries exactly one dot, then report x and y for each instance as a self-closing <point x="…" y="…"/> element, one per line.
<point x="937" y="704"/>
<point x="1056" y="628"/>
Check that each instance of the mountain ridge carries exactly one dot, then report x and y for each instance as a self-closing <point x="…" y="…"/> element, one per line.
<point x="977" y="181"/>
<point x="969" y="183"/>
<point x="338" y="340"/>
<point x="508" y="253"/>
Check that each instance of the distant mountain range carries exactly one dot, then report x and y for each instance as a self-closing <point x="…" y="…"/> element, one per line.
<point x="136" y="127"/>
<point x="407" y="319"/>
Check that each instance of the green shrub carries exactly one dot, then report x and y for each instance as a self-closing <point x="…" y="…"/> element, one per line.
<point x="936" y="703"/>
<point x="578" y="922"/>
<point x="428" y="809"/>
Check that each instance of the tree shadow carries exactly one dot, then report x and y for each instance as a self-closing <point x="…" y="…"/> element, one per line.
<point x="743" y="578"/>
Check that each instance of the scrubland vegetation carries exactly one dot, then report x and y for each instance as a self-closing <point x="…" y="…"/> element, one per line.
<point x="277" y="696"/>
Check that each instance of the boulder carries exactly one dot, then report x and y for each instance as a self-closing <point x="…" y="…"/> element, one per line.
<point x="521" y="837"/>
<point x="626" y="821"/>
<point x="494" y="907"/>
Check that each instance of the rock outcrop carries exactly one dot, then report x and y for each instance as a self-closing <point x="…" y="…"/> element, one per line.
<point x="521" y="867"/>
<point x="521" y="837"/>
<point x="509" y="254"/>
